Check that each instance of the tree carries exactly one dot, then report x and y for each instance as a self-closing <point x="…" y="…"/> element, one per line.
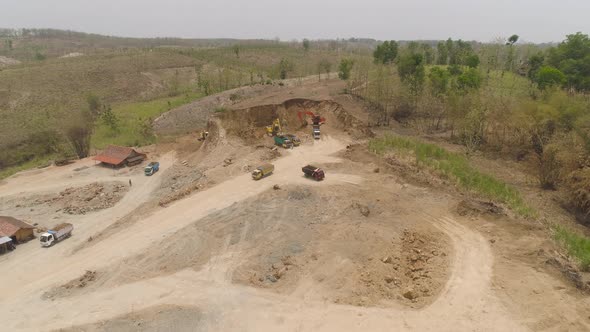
<point x="439" y="81"/>
<point x="472" y="61"/>
<point x="428" y="54"/>
<point x="411" y="71"/>
<point x="512" y="40"/>
<point x="470" y="79"/>
<point x="442" y="57"/>
<point x="324" y="66"/>
<point x="9" y="44"/>
<point x="109" y="118"/>
<point x="572" y="58"/>
<point x="94" y="104"/>
<point x="386" y="52"/>
<point x="79" y="133"/>
<point x="306" y="44"/>
<point x="345" y="68"/>
<point x="548" y="76"/>
<point x="285" y="67"/>
<point x="534" y="64"/>
<point x="236" y="49"/>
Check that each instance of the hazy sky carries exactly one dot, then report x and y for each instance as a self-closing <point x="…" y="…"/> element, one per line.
<point x="483" y="20"/>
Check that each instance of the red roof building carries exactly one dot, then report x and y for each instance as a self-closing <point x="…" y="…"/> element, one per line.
<point x="118" y="156"/>
<point x="16" y="229"/>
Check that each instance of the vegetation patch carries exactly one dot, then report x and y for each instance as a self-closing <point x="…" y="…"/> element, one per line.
<point x="577" y="246"/>
<point x="131" y="124"/>
<point x="455" y="167"/>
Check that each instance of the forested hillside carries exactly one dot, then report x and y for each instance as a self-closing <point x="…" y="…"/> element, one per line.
<point x="523" y="102"/>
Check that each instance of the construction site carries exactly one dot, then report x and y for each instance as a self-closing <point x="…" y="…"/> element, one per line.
<point x="268" y="212"/>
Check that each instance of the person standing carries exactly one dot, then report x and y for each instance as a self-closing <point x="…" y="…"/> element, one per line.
<point x="130" y="184"/>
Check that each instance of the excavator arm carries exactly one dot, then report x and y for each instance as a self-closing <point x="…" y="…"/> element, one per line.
<point x="316" y="119"/>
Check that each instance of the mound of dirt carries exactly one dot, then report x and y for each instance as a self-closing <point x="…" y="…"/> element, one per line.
<point x="158" y="318"/>
<point x="179" y="181"/>
<point x="71" y="287"/>
<point x="81" y="200"/>
<point x="473" y="207"/>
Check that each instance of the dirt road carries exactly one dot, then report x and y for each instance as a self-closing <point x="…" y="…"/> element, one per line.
<point x="467" y="302"/>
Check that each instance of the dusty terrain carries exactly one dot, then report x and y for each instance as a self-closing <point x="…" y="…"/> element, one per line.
<point x="377" y="246"/>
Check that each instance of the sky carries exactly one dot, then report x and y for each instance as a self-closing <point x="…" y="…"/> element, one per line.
<point x="481" y="20"/>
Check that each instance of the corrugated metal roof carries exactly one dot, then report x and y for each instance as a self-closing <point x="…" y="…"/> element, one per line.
<point x="114" y="155"/>
<point x="5" y="239"/>
<point x="9" y="225"/>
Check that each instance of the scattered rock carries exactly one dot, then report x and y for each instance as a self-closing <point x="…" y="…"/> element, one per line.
<point x="376" y="170"/>
<point x="387" y="260"/>
<point x="475" y="207"/>
<point x="410" y="294"/>
<point x="276" y="187"/>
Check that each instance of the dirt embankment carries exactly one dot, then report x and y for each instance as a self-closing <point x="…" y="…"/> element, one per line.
<point x="342" y="243"/>
<point x="250" y="123"/>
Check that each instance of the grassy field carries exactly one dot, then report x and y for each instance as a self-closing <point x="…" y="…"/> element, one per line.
<point x="455" y="167"/>
<point x="132" y="119"/>
<point x="577" y="246"/>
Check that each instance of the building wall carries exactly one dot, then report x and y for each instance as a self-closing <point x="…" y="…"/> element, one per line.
<point x="24" y="234"/>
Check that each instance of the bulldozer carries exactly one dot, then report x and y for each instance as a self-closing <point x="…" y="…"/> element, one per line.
<point x="275" y="128"/>
<point x="203" y="135"/>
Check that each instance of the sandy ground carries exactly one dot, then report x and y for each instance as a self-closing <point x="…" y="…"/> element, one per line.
<point x="363" y="250"/>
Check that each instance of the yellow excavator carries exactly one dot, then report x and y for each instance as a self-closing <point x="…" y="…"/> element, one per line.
<point x="275" y="128"/>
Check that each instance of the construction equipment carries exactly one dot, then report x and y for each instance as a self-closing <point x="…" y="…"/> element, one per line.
<point x="315" y="119"/>
<point x="151" y="168"/>
<point x="262" y="171"/>
<point x="294" y="139"/>
<point x="313" y="172"/>
<point x="58" y="233"/>
<point x="203" y="135"/>
<point x="283" y="141"/>
<point x="315" y="131"/>
<point x="275" y="128"/>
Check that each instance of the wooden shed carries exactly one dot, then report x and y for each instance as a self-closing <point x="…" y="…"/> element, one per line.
<point x="118" y="156"/>
<point x="17" y="230"/>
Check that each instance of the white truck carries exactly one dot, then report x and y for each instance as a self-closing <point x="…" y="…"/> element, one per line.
<point x="58" y="233"/>
<point x="316" y="131"/>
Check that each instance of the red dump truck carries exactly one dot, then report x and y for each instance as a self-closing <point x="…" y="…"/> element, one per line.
<point x="313" y="172"/>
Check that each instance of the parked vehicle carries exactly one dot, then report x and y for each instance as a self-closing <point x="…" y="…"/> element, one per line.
<point x="294" y="139"/>
<point x="283" y="141"/>
<point x="313" y="172"/>
<point x="58" y="233"/>
<point x="262" y="171"/>
<point x="316" y="131"/>
<point x="152" y="168"/>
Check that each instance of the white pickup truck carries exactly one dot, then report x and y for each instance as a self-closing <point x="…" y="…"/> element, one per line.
<point x="58" y="233"/>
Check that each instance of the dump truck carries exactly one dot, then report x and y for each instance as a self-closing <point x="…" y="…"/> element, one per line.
<point x="313" y="172"/>
<point x="262" y="171"/>
<point x="152" y="168"/>
<point x="56" y="234"/>
<point x="316" y="131"/>
<point x="294" y="139"/>
<point x="283" y="141"/>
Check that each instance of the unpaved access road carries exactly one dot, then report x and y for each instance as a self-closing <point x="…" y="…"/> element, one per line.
<point x="466" y="303"/>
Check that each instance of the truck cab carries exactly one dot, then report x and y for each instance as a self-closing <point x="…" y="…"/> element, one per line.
<point x="47" y="239"/>
<point x="151" y="168"/>
<point x="294" y="139"/>
<point x="283" y="141"/>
